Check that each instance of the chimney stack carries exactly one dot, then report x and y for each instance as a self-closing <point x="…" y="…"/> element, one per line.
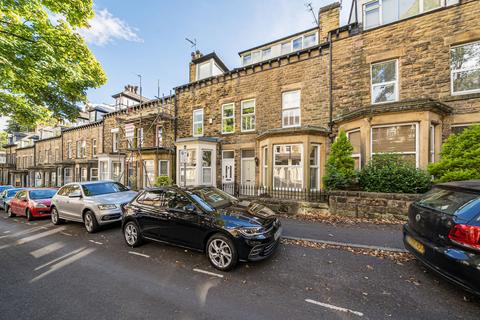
<point x="193" y="67"/>
<point x="329" y="19"/>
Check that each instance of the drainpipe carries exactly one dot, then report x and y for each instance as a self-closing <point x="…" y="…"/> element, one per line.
<point x="330" y="89"/>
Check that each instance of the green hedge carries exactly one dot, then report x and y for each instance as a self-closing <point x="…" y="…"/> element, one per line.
<point x="392" y="173"/>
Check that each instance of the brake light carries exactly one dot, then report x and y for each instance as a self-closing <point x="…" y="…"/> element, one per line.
<point x="465" y="235"/>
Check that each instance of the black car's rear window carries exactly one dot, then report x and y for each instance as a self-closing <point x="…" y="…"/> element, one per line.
<point x="452" y="202"/>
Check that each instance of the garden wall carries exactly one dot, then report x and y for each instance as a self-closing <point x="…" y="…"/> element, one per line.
<point x="371" y="204"/>
<point x="291" y="207"/>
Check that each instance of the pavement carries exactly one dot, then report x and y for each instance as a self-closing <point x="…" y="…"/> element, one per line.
<point x="62" y="272"/>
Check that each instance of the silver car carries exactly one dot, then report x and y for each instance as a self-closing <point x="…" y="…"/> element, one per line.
<point x="93" y="203"/>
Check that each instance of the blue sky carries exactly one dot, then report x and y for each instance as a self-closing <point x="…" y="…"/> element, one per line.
<point x="148" y="37"/>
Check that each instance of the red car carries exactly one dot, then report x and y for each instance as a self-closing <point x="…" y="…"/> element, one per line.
<point x="31" y="203"/>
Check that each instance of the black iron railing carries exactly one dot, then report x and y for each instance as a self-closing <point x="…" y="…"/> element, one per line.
<point x="239" y="190"/>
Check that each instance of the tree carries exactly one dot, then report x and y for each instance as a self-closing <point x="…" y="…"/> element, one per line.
<point x="340" y="168"/>
<point x="3" y="139"/>
<point x="45" y="65"/>
<point x="460" y="157"/>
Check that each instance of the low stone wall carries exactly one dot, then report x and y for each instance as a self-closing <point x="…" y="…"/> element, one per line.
<point x="371" y="204"/>
<point x="291" y="207"/>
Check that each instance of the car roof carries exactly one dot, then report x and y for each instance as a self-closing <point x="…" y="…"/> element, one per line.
<point x="89" y="182"/>
<point x="472" y="185"/>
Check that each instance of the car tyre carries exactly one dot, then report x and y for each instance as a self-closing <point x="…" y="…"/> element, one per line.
<point x="10" y="214"/>
<point x="55" y="217"/>
<point x="90" y="222"/>
<point x="29" y="216"/>
<point x="132" y="234"/>
<point x="221" y="252"/>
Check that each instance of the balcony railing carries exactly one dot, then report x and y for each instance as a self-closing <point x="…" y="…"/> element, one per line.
<point x="239" y="190"/>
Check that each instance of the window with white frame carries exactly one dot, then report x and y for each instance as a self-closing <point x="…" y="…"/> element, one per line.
<point x="116" y="170"/>
<point x="83" y="149"/>
<point x="148" y="173"/>
<point x="291" y="109"/>
<point x="189" y="168"/>
<point x="83" y="176"/>
<point x="315" y="167"/>
<point x="256" y="56"/>
<point x="297" y="44"/>
<point x="159" y="136"/>
<point x="355" y="140"/>
<point x="94" y="147"/>
<point x="380" y="12"/>
<point x="228" y="118"/>
<point x="115" y="141"/>
<point x="431" y="144"/>
<point x="206" y="167"/>
<point x="266" y="53"/>
<point x="93" y="174"/>
<point x="198" y="123"/>
<point x="103" y="170"/>
<point x="248" y="115"/>
<point x="163" y="168"/>
<point x="459" y="128"/>
<point x="265" y="166"/>
<point x="465" y="68"/>
<point x="247" y="59"/>
<point x="384" y="81"/>
<point x="310" y="40"/>
<point x="67" y="175"/>
<point x="400" y="139"/>
<point x="204" y="70"/>
<point x="140" y="137"/>
<point x="69" y="149"/>
<point x="286" y="47"/>
<point x="79" y="150"/>
<point x="288" y="166"/>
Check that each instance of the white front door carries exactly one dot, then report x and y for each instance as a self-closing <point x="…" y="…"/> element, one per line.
<point x="228" y="167"/>
<point x="248" y="172"/>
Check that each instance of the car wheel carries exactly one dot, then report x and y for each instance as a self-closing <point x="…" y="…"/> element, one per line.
<point x="221" y="252"/>
<point x="132" y="234"/>
<point x="29" y="215"/>
<point x="10" y="214"/>
<point x="55" y="217"/>
<point x="90" y="221"/>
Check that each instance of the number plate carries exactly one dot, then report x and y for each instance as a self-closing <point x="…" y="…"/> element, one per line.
<point x="278" y="233"/>
<point x="415" y="244"/>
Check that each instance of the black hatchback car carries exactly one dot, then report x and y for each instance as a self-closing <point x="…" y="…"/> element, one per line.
<point x="443" y="232"/>
<point x="205" y="219"/>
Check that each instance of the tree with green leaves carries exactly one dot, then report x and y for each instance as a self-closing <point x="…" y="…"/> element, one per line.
<point x="340" y="168"/>
<point x="460" y="157"/>
<point x="3" y="139"/>
<point x="45" y="65"/>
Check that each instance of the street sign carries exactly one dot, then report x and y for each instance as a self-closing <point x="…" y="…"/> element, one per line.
<point x="183" y="156"/>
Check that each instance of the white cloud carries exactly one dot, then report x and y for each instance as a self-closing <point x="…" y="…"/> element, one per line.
<point x="105" y="28"/>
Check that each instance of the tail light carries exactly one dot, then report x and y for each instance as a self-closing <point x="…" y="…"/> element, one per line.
<point x="465" y="235"/>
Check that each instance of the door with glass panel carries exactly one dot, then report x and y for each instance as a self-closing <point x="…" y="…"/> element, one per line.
<point x="228" y="171"/>
<point x="248" y="172"/>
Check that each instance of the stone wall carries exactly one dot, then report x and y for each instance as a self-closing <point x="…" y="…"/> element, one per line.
<point x="371" y="204"/>
<point x="291" y="207"/>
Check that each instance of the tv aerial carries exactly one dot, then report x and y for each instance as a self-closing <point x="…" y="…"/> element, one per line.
<point x="193" y="43"/>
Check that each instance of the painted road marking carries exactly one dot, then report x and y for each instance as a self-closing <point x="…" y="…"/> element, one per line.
<point x="8" y="231"/>
<point x="208" y="272"/>
<point x="96" y="242"/>
<point x="1" y="237"/>
<point x="332" y="307"/>
<point x="66" y="234"/>
<point x="59" y="258"/>
<point x="346" y="244"/>
<point x="139" y="254"/>
<point x="47" y="249"/>
<point x="39" y="235"/>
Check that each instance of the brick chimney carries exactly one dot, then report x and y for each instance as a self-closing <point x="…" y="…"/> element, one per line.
<point x="193" y="67"/>
<point x="329" y="18"/>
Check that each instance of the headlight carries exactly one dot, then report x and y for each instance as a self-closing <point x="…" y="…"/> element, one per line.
<point x="39" y="205"/>
<point x="106" y="206"/>
<point x="250" y="232"/>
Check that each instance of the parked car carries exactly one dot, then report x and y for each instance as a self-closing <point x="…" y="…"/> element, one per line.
<point x="6" y="196"/>
<point x="3" y="188"/>
<point x="31" y="203"/>
<point x="93" y="203"/>
<point x="205" y="219"/>
<point x="443" y="232"/>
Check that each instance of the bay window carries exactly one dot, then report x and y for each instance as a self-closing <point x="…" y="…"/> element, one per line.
<point x="264" y="166"/>
<point x="228" y="118"/>
<point x="288" y="166"/>
<point x="148" y="173"/>
<point x="189" y="168"/>
<point x="291" y="109"/>
<point x="431" y="144"/>
<point x="315" y="167"/>
<point x="465" y="68"/>
<point x="384" y="81"/>
<point x="400" y="139"/>
<point x="248" y="115"/>
<point x="93" y="174"/>
<point x="163" y="168"/>
<point x="103" y="167"/>
<point x="355" y="140"/>
<point x="198" y="123"/>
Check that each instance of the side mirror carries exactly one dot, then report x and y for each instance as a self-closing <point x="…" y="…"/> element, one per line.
<point x="190" y="208"/>
<point x="76" y="194"/>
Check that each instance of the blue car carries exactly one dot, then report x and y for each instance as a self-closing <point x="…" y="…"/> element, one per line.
<point x="3" y="188"/>
<point x="6" y="196"/>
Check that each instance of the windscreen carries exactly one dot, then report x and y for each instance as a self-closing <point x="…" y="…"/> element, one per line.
<point x="42" y="194"/>
<point x="452" y="202"/>
<point x="12" y="192"/>
<point x="96" y="189"/>
<point x="215" y="197"/>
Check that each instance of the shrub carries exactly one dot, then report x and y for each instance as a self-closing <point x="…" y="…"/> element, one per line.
<point x="340" y="168"/>
<point x="460" y="157"/>
<point x="162" y="181"/>
<point x="392" y="173"/>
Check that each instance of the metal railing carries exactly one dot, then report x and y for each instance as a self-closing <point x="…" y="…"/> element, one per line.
<point x="239" y="190"/>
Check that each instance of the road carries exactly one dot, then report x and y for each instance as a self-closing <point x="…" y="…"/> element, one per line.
<point x="61" y="272"/>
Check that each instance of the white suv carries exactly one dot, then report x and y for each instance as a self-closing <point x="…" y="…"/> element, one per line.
<point x="93" y="203"/>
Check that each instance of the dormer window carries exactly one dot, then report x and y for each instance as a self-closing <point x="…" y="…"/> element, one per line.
<point x="297" y="44"/>
<point x="207" y="69"/>
<point x="266" y="53"/>
<point x="247" y="59"/>
<point x="286" y="48"/>
<point x="380" y="12"/>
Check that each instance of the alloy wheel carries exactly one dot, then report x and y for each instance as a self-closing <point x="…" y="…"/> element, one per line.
<point x="89" y="222"/>
<point x="220" y="253"/>
<point x="54" y="216"/>
<point x="131" y="234"/>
